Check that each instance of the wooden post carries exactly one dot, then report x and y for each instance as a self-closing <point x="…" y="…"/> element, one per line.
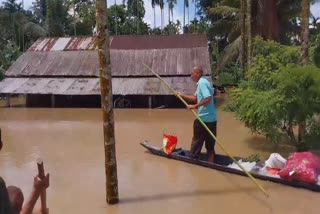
<point x="53" y="101"/>
<point x="150" y="101"/>
<point x="43" y="196"/>
<point x="8" y="100"/>
<point x="106" y="102"/>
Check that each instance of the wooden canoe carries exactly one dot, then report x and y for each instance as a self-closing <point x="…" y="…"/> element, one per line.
<point x="221" y="163"/>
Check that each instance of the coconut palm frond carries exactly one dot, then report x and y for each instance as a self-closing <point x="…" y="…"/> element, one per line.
<point x="235" y="30"/>
<point x="229" y="54"/>
<point x="224" y="11"/>
<point x="226" y="26"/>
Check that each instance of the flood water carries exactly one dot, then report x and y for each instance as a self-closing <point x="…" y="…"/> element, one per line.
<point x="70" y="141"/>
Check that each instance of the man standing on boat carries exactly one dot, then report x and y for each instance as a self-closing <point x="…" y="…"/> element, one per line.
<point x="203" y="98"/>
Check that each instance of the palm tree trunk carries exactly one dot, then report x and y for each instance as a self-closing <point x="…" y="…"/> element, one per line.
<point x="188" y="17"/>
<point x="112" y="196"/>
<point x="270" y="20"/>
<point x="243" y="34"/>
<point x="304" y="55"/>
<point x="161" y="19"/>
<point x="74" y="16"/>
<point x="116" y="21"/>
<point x="169" y="12"/>
<point x="248" y="20"/>
<point x="154" y="16"/>
<point x="195" y="9"/>
<point x="172" y="15"/>
<point x="305" y="31"/>
<point x="184" y="14"/>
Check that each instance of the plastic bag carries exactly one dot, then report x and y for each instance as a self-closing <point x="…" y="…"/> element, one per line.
<point x="246" y="165"/>
<point x="275" y="161"/>
<point x="169" y="143"/>
<point x="301" y="166"/>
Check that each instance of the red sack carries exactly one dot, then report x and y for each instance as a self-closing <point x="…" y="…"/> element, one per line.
<point x="169" y="143"/>
<point x="301" y="166"/>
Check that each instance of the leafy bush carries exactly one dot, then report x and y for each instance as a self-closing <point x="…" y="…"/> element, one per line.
<point x="230" y="76"/>
<point x="8" y="55"/>
<point x="278" y="95"/>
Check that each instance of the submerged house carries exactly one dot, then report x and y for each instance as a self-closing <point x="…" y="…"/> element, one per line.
<point x="64" y="71"/>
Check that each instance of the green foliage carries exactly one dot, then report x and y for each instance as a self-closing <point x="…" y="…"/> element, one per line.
<point x="316" y="52"/>
<point x="136" y="8"/>
<point x="278" y="94"/>
<point x="197" y="26"/>
<point x="121" y="22"/>
<point x="57" y="17"/>
<point x="172" y="28"/>
<point x="8" y="54"/>
<point x="40" y="10"/>
<point x="269" y="58"/>
<point x="230" y="76"/>
<point x="313" y="135"/>
<point x="12" y="6"/>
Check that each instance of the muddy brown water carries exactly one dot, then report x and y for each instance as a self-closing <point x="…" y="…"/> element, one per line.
<point x="71" y="144"/>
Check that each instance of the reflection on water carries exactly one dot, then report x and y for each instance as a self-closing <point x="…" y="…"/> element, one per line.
<point x="70" y="142"/>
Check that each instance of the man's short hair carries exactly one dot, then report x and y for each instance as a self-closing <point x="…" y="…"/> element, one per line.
<point x="198" y="69"/>
<point x="16" y="198"/>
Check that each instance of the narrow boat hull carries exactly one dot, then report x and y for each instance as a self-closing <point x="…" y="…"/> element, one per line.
<point x="221" y="163"/>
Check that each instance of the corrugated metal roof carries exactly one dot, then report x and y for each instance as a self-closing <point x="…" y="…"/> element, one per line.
<point x="63" y="44"/>
<point x="159" y="42"/>
<point x="121" y="42"/>
<point x="178" y="61"/>
<point x="91" y="86"/>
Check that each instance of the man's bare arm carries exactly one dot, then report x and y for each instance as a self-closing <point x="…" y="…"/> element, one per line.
<point x="188" y="98"/>
<point x="202" y="103"/>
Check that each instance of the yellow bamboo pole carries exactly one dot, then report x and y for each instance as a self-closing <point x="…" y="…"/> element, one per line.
<point x="214" y="137"/>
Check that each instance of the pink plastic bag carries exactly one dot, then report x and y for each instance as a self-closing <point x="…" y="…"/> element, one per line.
<point x="301" y="166"/>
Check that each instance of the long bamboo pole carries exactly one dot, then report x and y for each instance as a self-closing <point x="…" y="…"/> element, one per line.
<point x="214" y="137"/>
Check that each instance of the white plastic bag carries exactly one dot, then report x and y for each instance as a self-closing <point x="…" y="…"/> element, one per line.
<point x="247" y="165"/>
<point x="275" y="161"/>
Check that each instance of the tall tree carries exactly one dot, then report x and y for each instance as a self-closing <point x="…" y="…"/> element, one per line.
<point x="187" y="5"/>
<point x="57" y="17"/>
<point x="12" y="6"/>
<point x="270" y="20"/>
<point x="171" y="5"/>
<point x="103" y="42"/>
<point x="184" y="15"/>
<point x="161" y="4"/>
<point x="136" y="11"/>
<point x="153" y="4"/>
<point x="304" y="55"/>
<point x="195" y="8"/>
<point x="40" y="10"/>
<point x="305" y="31"/>
<point x="243" y="48"/>
<point x="84" y="18"/>
<point x="249" y="33"/>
